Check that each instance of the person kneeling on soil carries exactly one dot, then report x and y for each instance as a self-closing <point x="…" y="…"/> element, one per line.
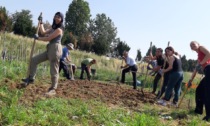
<point x="65" y="60"/>
<point x="130" y="66"/>
<point x="86" y="65"/>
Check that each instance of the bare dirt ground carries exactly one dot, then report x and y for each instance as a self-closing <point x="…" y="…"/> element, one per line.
<point x="112" y="94"/>
<point x="109" y="93"/>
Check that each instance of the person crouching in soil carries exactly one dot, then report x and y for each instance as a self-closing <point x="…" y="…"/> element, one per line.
<point x="86" y="66"/>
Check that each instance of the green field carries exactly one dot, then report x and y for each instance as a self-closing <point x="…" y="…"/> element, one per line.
<point x="60" y="111"/>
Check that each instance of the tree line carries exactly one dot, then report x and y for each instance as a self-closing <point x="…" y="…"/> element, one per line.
<point x="96" y="35"/>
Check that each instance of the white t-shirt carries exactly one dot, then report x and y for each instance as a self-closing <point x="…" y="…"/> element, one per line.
<point x="130" y="61"/>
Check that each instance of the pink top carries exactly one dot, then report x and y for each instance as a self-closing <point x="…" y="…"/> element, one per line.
<point x="201" y="56"/>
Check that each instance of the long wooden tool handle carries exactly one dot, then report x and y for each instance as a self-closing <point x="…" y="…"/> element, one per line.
<point x="142" y="87"/>
<point x="182" y="97"/>
<point x="161" y="82"/>
<point x="32" y="50"/>
<point x="151" y="47"/>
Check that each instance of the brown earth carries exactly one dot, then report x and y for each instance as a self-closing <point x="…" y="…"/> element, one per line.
<point x="112" y="94"/>
<point x="109" y="93"/>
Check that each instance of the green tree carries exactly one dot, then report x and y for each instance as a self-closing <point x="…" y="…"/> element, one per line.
<point x="103" y="32"/>
<point x="138" y="56"/>
<point x="185" y="64"/>
<point x="153" y="50"/>
<point x="5" y="20"/>
<point x="121" y="47"/>
<point x="77" y="17"/>
<point x="68" y="37"/>
<point x="23" y="23"/>
<point x="86" y="42"/>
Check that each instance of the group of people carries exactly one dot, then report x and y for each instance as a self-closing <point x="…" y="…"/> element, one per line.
<point x="169" y="67"/>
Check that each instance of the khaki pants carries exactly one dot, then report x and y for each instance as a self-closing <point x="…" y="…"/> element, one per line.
<point x="53" y="54"/>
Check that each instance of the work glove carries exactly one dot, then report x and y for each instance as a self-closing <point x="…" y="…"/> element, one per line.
<point x="149" y="68"/>
<point x="36" y="36"/>
<point x="198" y="67"/>
<point x="189" y="84"/>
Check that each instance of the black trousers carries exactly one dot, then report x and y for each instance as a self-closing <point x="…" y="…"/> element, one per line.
<point x="199" y="97"/>
<point x="65" y="69"/>
<point x="156" y="80"/>
<point x="133" y="70"/>
<point x="84" y="68"/>
<point x="202" y="96"/>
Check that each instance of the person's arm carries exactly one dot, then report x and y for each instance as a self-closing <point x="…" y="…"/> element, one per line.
<point x="156" y="68"/>
<point x="89" y="67"/>
<point x="43" y="31"/>
<point x="68" y="59"/>
<point x="57" y="32"/>
<point x="207" y="55"/>
<point x="126" y="63"/>
<point x="170" y="62"/>
<point x="193" y="75"/>
<point x="125" y="66"/>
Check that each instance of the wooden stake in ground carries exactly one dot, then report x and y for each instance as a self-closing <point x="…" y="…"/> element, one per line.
<point x="145" y="79"/>
<point x="32" y="50"/>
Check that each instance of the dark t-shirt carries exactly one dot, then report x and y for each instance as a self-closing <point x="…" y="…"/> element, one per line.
<point x="160" y="61"/>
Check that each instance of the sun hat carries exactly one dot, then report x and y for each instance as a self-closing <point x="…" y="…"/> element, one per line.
<point x="70" y="45"/>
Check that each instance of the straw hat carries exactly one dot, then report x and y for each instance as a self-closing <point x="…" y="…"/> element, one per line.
<point x="70" y="45"/>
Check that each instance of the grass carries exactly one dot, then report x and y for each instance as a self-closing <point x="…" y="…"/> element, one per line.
<point x="63" y="112"/>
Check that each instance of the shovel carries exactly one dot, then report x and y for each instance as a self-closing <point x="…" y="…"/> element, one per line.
<point x="32" y="51"/>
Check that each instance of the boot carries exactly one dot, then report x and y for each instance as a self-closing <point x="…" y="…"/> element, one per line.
<point x="28" y="80"/>
<point x="198" y="111"/>
<point x="206" y="118"/>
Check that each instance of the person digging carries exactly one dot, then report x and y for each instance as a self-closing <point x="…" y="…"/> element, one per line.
<point x="86" y="66"/>
<point x="52" y="54"/>
<point x="65" y="60"/>
<point x="130" y="66"/>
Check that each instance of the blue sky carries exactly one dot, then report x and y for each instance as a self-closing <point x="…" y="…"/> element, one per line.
<point x="139" y="22"/>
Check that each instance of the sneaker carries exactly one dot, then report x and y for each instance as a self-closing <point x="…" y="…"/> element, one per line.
<point x="174" y="104"/>
<point x="162" y="102"/>
<point x="28" y="80"/>
<point x="51" y="92"/>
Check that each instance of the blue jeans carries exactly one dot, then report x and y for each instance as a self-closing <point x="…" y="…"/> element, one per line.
<point x="165" y="82"/>
<point x="174" y="82"/>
